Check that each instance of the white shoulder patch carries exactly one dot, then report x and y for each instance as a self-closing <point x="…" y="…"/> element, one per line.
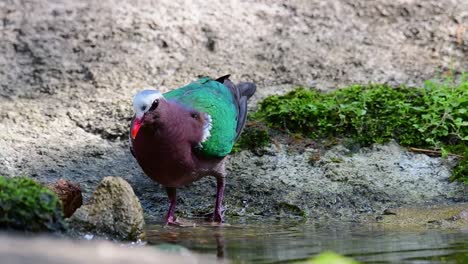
<point x="206" y="128"/>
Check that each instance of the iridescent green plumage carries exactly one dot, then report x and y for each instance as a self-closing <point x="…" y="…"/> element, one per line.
<point x="214" y="98"/>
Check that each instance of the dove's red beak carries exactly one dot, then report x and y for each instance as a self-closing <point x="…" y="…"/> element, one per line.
<point x="136" y="127"/>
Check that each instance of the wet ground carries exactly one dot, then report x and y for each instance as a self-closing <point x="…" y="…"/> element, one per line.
<point x="280" y="241"/>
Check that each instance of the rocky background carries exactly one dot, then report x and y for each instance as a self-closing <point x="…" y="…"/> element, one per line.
<point x="69" y="69"/>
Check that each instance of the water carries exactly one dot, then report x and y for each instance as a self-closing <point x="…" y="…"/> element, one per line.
<point x="274" y="241"/>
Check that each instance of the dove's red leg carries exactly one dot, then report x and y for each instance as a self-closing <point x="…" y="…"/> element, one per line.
<point x="218" y="213"/>
<point x="170" y="217"/>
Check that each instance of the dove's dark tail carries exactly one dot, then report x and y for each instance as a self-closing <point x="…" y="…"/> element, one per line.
<point x="241" y="92"/>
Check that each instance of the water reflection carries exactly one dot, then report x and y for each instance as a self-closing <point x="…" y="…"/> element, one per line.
<point x="274" y="241"/>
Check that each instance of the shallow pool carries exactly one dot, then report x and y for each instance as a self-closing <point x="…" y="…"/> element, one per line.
<point x="280" y="241"/>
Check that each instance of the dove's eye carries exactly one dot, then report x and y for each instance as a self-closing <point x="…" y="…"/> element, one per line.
<point x="194" y="115"/>
<point x="154" y="105"/>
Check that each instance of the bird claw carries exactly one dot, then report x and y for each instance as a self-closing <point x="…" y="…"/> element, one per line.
<point x="216" y="216"/>
<point x="172" y="221"/>
<point x="175" y="223"/>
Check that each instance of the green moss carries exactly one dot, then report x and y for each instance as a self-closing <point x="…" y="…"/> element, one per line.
<point x="254" y="137"/>
<point x="27" y="206"/>
<point x="290" y="209"/>
<point x="460" y="172"/>
<point x="336" y="160"/>
<point x="434" y="116"/>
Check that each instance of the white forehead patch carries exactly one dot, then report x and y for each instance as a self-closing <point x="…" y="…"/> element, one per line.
<point x="143" y="101"/>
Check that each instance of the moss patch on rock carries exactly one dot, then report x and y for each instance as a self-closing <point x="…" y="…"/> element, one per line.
<point x="290" y="209"/>
<point x="434" y="116"/>
<point x="255" y="136"/>
<point x="460" y="172"/>
<point x="27" y="206"/>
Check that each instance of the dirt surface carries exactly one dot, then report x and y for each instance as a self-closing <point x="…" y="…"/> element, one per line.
<point x="343" y="183"/>
<point x="68" y="71"/>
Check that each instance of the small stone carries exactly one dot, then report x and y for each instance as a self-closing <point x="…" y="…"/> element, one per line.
<point x="113" y="210"/>
<point x="389" y="211"/>
<point x="70" y="195"/>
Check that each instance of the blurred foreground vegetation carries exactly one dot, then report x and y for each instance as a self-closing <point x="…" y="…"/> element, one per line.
<point x="27" y="206"/>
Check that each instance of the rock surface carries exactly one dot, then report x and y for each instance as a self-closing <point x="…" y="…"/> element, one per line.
<point x="113" y="210"/>
<point x="44" y="250"/>
<point x="446" y="216"/>
<point x="68" y="71"/>
<point x="99" y="47"/>
<point x="342" y="183"/>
